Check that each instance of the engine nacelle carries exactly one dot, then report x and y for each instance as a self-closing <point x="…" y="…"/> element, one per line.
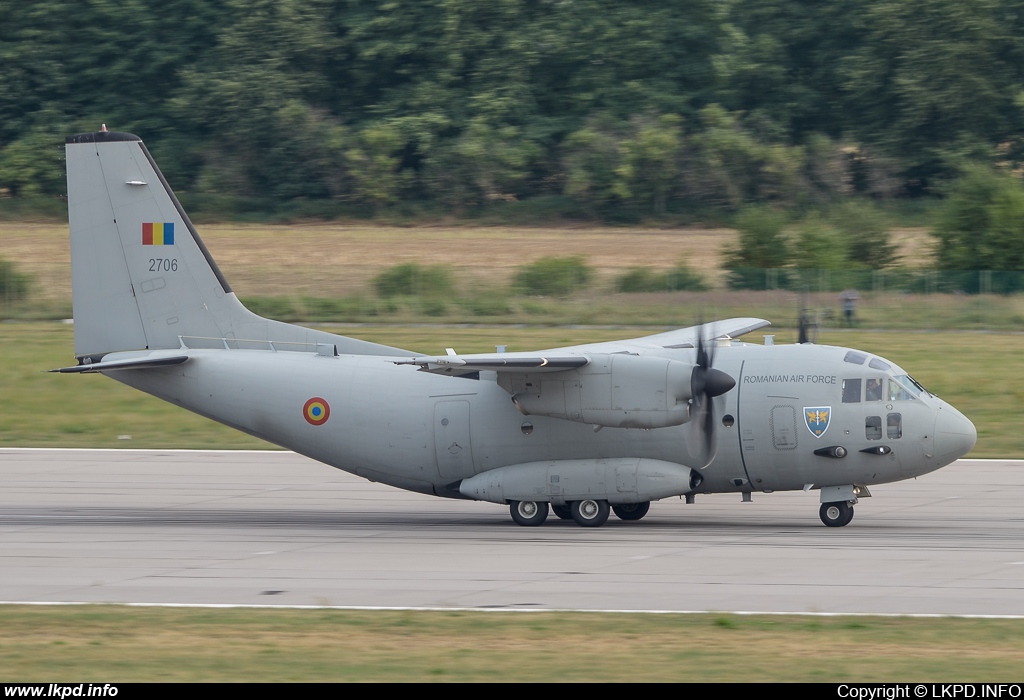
<point x="617" y="391"/>
<point x="618" y="480"/>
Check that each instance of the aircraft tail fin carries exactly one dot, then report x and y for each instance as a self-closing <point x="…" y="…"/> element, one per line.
<point x="141" y="276"/>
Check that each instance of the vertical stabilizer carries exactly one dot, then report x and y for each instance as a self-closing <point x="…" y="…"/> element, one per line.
<point x="133" y="289"/>
<point x="141" y="276"/>
<point x="106" y="315"/>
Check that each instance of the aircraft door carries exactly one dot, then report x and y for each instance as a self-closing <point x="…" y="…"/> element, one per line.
<point x="770" y="425"/>
<point x="768" y="440"/>
<point x="452" y="445"/>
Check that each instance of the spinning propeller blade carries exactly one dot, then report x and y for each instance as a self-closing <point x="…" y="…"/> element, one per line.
<point x="706" y="383"/>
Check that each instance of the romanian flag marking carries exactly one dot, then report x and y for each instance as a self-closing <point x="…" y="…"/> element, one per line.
<point x="316" y="411"/>
<point x="158" y="234"/>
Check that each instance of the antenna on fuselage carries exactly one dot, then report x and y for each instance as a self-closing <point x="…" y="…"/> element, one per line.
<point x="804" y="321"/>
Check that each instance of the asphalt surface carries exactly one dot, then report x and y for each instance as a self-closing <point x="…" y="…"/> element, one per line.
<point x="274" y="528"/>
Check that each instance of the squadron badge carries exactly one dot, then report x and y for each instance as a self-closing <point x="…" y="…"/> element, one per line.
<point x="817" y="418"/>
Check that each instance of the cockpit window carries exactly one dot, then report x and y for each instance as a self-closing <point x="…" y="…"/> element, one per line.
<point x="855" y="357"/>
<point x="917" y="384"/>
<point x="878" y="364"/>
<point x="851" y="391"/>
<point x="903" y="388"/>
<point x="873" y="389"/>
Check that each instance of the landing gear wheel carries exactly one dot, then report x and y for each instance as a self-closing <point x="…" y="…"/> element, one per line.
<point x="529" y="513"/>
<point x="590" y="513"/>
<point x="836" y="514"/>
<point x="563" y="512"/>
<point x="631" y="511"/>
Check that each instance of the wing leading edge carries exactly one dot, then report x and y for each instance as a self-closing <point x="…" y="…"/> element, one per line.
<point x="681" y="337"/>
<point x="561" y="359"/>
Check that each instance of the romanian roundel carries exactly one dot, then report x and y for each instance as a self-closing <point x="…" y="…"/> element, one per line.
<point x="316" y="411"/>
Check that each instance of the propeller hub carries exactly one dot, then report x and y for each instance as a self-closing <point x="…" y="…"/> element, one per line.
<point x="717" y="382"/>
<point x="708" y="381"/>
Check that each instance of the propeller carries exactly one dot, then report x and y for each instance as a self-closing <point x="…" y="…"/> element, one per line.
<point x="706" y="383"/>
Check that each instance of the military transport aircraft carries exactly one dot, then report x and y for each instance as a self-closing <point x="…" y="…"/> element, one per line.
<point x="578" y="430"/>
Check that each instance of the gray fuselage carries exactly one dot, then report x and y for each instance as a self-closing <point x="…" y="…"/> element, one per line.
<point x="424" y="432"/>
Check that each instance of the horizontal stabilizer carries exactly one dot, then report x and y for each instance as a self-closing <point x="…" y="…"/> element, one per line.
<point x="146" y="362"/>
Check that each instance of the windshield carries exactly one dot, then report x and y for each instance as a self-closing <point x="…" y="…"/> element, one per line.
<point x="903" y="387"/>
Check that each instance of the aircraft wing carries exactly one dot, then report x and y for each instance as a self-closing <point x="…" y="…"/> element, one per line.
<point x="561" y="359"/>
<point x="498" y="362"/>
<point x="680" y="338"/>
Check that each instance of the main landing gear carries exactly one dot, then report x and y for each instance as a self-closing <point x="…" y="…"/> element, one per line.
<point x="590" y="512"/>
<point x="631" y="511"/>
<point x="836" y="514"/>
<point x="529" y="513"/>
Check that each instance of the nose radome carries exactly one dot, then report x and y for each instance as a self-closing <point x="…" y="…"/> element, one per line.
<point x="955" y="435"/>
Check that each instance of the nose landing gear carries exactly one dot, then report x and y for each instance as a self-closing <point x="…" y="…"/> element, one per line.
<point x="836" y="514"/>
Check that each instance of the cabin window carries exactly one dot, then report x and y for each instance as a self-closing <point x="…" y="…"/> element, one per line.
<point x="851" y="391"/>
<point x="878" y="364"/>
<point x="873" y="389"/>
<point x="873" y="427"/>
<point x="894" y="426"/>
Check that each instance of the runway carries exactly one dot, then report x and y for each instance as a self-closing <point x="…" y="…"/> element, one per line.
<point x="274" y="528"/>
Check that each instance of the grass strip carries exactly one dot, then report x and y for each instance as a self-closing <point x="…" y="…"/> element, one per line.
<point x="121" y="644"/>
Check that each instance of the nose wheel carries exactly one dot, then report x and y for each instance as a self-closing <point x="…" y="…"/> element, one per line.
<point x="836" y="514"/>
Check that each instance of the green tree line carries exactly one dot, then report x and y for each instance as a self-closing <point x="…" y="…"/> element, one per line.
<point x="601" y="109"/>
